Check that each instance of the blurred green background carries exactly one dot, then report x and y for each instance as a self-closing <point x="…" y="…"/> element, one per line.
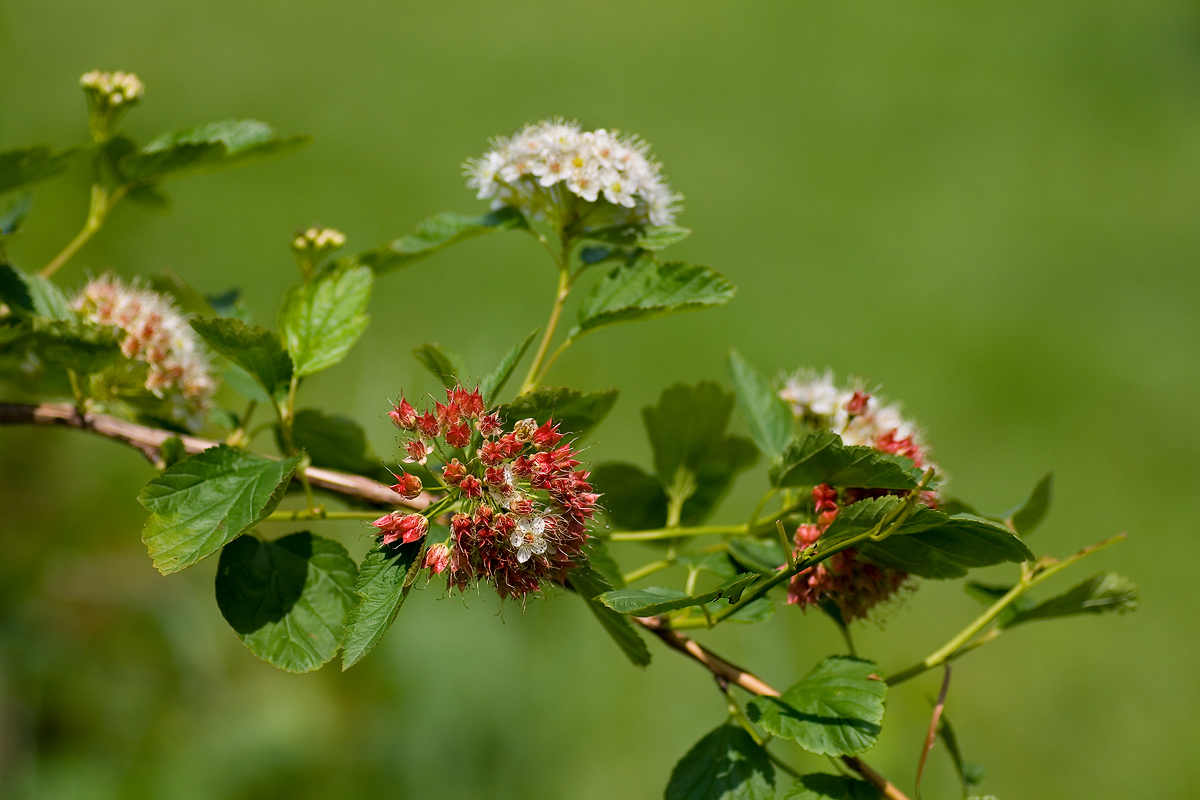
<point x="989" y="209"/>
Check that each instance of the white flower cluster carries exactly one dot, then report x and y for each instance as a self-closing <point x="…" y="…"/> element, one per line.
<point x="113" y="88"/>
<point x="156" y="333"/>
<point x="320" y="239"/>
<point x="527" y="170"/>
<point x="858" y="417"/>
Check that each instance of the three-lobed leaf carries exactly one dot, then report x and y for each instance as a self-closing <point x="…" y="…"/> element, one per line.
<point x="647" y="289"/>
<point x="324" y="317"/>
<point x="437" y="232"/>
<point x="202" y="503"/>
<point x="835" y="710"/>
<point x="821" y="457"/>
<point x="384" y="581"/>
<point x="287" y="599"/>
<point x="253" y="348"/>
<point x="727" y="764"/>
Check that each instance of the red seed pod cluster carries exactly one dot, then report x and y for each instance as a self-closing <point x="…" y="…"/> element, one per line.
<point x="519" y="505"/>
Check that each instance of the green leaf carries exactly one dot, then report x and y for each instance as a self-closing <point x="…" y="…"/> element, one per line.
<point x="437" y="232"/>
<point x="821" y="786"/>
<point x="859" y="518"/>
<point x="286" y="599"/>
<point x="151" y="197"/>
<point x="588" y="583"/>
<point x="494" y="383"/>
<point x="647" y="290"/>
<point x="206" y="501"/>
<point x="835" y="710"/>
<point x="1025" y="518"/>
<point x="32" y="295"/>
<point x="763" y="556"/>
<point x="335" y="442"/>
<point x="189" y="299"/>
<point x="323" y="318"/>
<point x="602" y="562"/>
<point x="579" y="412"/>
<point x="14" y="215"/>
<point x="206" y="148"/>
<point x="821" y="457"/>
<point x="442" y="364"/>
<point x="1100" y="594"/>
<point x="714" y="476"/>
<point x="768" y="416"/>
<point x="384" y="581"/>
<point x="29" y="165"/>
<point x="637" y="237"/>
<point x="631" y="499"/>
<point x="172" y="451"/>
<point x="253" y="348"/>
<point x="760" y="610"/>
<point x="76" y="346"/>
<point x="969" y="774"/>
<point x="659" y="600"/>
<point x="950" y="549"/>
<point x="725" y="765"/>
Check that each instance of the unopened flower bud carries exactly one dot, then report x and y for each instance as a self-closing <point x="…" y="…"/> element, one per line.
<point x="109" y="96"/>
<point x="857" y="403"/>
<point x="523" y="431"/>
<point x="314" y="243"/>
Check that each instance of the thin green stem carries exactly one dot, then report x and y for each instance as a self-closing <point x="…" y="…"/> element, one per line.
<point x="238" y="435"/>
<point x="102" y="204"/>
<point x="672" y="533"/>
<point x="318" y="514"/>
<point x="645" y="570"/>
<point x="961" y="643"/>
<point x="287" y="416"/>
<point x="560" y="298"/>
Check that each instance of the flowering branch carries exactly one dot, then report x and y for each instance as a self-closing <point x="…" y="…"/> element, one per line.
<point x="149" y="442"/>
<point x="727" y="671"/>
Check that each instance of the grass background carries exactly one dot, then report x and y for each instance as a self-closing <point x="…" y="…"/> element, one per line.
<point x="989" y="210"/>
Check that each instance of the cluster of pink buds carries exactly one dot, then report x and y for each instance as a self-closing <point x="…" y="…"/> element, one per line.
<point x="155" y="332"/>
<point x="519" y="506"/>
<point x="847" y="578"/>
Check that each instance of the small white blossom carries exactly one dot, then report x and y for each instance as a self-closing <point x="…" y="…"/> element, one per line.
<point x="524" y="170"/>
<point x="529" y="538"/>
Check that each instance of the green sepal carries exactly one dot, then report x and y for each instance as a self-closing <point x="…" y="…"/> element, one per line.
<point x="766" y="414"/>
<point x="647" y="289"/>
<point x="1104" y="593"/>
<point x="821" y="457"/>
<point x="577" y="412"/>
<point x="205" y="501"/>
<point x="253" y="348"/>
<point x="437" y="232"/>
<point x="205" y="148"/>
<point x="28" y="165"/>
<point x="835" y="710"/>
<point x="659" y="600"/>
<point x="286" y="600"/>
<point x="324" y="317"/>
<point x="727" y="764"/>
<point x="441" y="363"/>
<point x="385" y="578"/>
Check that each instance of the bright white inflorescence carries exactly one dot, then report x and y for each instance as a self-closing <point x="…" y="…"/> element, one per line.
<point x="529" y="170"/>
<point x="157" y="333"/>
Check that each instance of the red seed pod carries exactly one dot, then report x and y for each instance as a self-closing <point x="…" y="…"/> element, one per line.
<point x="454" y="472"/>
<point x="471" y="487"/>
<point x="417" y="451"/>
<point x="458" y="435"/>
<point x="492" y="453"/>
<point x="547" y="436"/>
<point x="408" y="528"/>
<point x="824" y="498"/>
<point x="407" y="486"/>
<point x="404" y="415"/>
<point x="495" y="476"/>
<point x="437" y="558"/>
<point x="489" y="425"/>
<point x="427" y="424"/>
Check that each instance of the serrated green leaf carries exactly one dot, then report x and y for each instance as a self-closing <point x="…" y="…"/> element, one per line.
<point x="637" y="237"/>
<point x="77" y="346"/>
<point x="714" y="476"/>
<point x="578" y="412"/>
<point x="588" y="583"/>
<point x="29" y="165"/>
<point x="441" y="363"/>
<point x="1105" y="593"/>
<point x="769" y="418"/>
<point x="253" y="348"/>
<point x="835" y="710"/>
<point x="206" y="148"/>
<point x="821" y="786"/>
<point x="1025" y="518"/>
<point x="659" y="600"/>
<point x="494" y="383"/>
<point x="206" y="501"/>
<point x="14" y="292"/>
<point x="630" y="498"/>
<point x="646" y="290"/>
<point x="437" y="232"/>
<point x="12" y="217"/>
<point x="949" y="550"/>
<point x="32" y="295"/>
<point x="602" y="562"/>
<point x="821" y="457"/>
<point x="287" y="599"/>
<point x="189" y="299"/>
<point x="725" y="765"/>
<point x="323" y="318"/>
<point x="335" y="442"/>
<point x="859" y="518"/>
<point x="384" y="581"/>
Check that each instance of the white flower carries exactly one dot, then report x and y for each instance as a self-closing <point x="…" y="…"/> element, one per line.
<point x="811" y="394"/>
<point x="529" y="537"/>
<point x="523" y="171"/>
